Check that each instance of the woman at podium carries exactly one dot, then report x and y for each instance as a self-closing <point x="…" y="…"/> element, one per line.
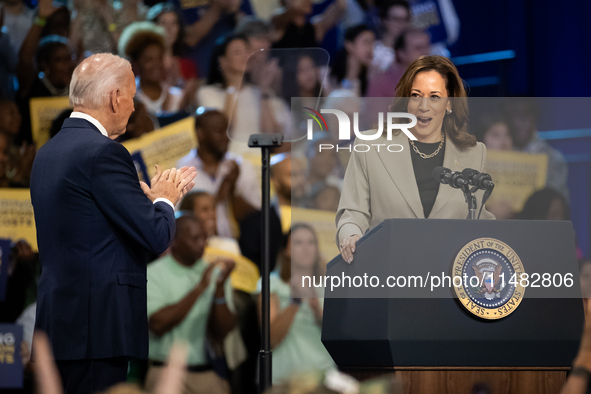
<point x="381" y="184"/>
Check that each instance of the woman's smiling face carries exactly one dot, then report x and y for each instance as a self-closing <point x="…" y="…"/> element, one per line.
<point x="429" y="103"/>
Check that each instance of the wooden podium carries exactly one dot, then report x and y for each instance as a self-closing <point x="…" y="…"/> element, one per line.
<point x="435" y="345"/>
<point x="450" y="380"/>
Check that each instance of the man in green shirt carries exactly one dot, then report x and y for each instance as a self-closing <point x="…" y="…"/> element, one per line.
<point x="187" y="298"/>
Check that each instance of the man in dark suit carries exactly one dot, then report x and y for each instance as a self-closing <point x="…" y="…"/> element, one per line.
<point x="95" y="225"/>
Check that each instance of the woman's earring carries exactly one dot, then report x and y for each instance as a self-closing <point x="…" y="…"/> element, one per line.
<point x="449" y="111"/>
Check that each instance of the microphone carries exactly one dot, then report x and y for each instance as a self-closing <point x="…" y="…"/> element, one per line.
<point x="449" y="177"/>
<point x="479" y="179"/>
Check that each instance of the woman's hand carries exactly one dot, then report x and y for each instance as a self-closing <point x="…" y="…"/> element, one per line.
<point x="347" y="247"/>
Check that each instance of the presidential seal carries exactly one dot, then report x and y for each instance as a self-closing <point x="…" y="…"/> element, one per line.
<point x="490" y="273"/>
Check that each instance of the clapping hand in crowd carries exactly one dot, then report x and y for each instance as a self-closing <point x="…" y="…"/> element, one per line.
<point x="48" y="379"/>
<point x="171" y="184"/>
<point x="226" y="190"/>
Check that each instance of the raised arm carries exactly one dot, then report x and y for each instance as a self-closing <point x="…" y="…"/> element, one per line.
<point x="281" y="320"/>
<point x="170" y="316"/>
<point x="329" y="18"/>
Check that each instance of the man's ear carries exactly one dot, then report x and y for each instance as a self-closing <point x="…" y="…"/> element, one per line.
<point x="114" y="100"/>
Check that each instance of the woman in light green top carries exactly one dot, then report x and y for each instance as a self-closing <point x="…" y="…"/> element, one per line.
<point x="296" y="315"/>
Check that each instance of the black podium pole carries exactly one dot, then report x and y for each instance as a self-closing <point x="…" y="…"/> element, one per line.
<point x="265" y="142"/>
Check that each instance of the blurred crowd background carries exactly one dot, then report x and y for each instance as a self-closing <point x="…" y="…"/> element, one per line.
<point x="192" y="58"/>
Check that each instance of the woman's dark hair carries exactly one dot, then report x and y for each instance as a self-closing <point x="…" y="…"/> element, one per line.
<point x="385" y="8"/>
<point x="538" y="205"/>
<point x="164" y="8"/>
<point x="188" y="201"/>
<point x="455" y="125"/>
<point x="47" y="46"/>
<point x="483" y="124"/>
<point x="290" y="87"/>
<point x="339" y="66"/>
<point x="219" y="50"/>
<point x="140" y="39"/>
<point x="286" y="276"/>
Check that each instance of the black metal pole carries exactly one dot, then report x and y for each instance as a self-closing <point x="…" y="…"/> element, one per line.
<point x="265" y="142"/>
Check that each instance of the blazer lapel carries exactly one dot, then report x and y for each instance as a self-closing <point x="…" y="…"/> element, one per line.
<point x="399" y="167"/>
<point x="454" y="159"/>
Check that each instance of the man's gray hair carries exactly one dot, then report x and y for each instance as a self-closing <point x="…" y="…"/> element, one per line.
<point x="96" y="77"/>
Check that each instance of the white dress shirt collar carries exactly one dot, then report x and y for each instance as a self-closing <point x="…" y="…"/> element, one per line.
<point x="92" y="120"/>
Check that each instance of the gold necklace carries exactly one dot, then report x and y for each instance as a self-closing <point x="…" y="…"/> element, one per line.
<point x="424" y="156"/>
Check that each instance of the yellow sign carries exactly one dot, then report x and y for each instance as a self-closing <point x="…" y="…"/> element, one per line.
<point x="323" y="222"/>
<point x="16" y="216"/>
<point x="488" y="278"/>
<point x="43" y="111"/>
<point x="245" y="274"/>
<point x="165" y="146"/>
<point x="516" y="176"/>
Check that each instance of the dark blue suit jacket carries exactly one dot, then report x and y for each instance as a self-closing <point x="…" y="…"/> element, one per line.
<point x="95" y="227"/>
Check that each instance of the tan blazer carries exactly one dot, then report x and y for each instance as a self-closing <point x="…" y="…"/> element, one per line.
<point x="382" y="185"/>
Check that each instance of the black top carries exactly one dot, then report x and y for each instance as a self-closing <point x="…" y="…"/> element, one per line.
<point x="298" y="37"/>
<point x="423" y="169"/>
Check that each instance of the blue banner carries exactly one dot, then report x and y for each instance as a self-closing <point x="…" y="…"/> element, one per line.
<point x="11" y="362"/>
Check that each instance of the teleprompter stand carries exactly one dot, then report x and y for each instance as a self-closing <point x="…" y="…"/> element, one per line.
<point x="266" y="142"/>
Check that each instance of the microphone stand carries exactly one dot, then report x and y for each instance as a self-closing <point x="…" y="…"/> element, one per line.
<point x="471" y="200"/>
<point x="265" y="142"/>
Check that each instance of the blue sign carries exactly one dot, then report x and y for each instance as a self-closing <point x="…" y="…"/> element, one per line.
<point x="11" y="362"/>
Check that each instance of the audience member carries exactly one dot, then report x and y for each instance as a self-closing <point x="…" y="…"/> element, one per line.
<point x="99" y="23"/>
<point x="326" y="199"/>
<point x="409" y="46"/>
<point x="56" y="64"/>
<point x="143" y="44"/>
<point x="203" y="206"/>
<point x="140" y="122"/>
<point x="288" y="178"/>
<point x="18" y="19"/>
<point x="49" y="21"/>
<point x="4" y="160"/>
<point x="307" y="75"/>
<point x="250" y="108"/>
<point x="21" y="286"/>
<point x="394" y="18"/>
<point x="187" y="299"/>
<point x="545" y="204"/>
<point x="225" y="175"/>
<point x="494" y="132"/>
<point x="178" y="70"/>
<point x="296" y="311"/>
<point x="322" y="164"/>
<point x="21" y="157"/>
<point x="206" y="22"/>
<point x="350" y="69"/>
<point x="440" y="19"/>
<point x="361" y="12"/>
<point x="8" y="61"/>
<point x="522" y="116"/>
<point x="294" y="29"/>
<point x="258" y="36"/>
<point x="48" y="379"/>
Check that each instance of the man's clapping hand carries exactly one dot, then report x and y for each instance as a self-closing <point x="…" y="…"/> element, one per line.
<point x="171" y="184"/>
